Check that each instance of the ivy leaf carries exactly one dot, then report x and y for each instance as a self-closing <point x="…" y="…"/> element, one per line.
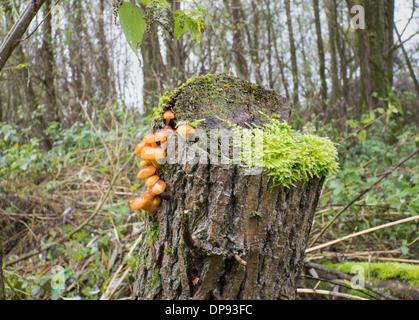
<point x="362" y="136"/>
<point x="195" y="28"/>
<point x="133" y="23"/>
<point x="180" y="27"/>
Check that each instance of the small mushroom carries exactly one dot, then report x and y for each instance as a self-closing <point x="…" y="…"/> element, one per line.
<point x="156" y="201"/>
<point x="151" y="181"/>
<point x="146" y="172"/>
<point x="144" y="163"/>
<point x="149" y="153"/>
<point x="138" y="203"/>
<point x="185" y="130"/>
<point x="150" y="138"/>
<point x="148" y="195"/>
<point x="161" y="136"/>
<point x="140" y="147"/>
<point x="158" y="187"/>
<point x="151" y="208"/>
<point x="167" y="116"/>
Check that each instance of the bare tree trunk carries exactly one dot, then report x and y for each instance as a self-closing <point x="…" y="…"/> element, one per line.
<point x="237" y="25"/>
<point x="293" y="52"/>
<point x="374" y="50"/>
<point x="104" y="66"/>
<point x="332" y="23"/>
<point x="320" y="48"/>
<point x="176" y="55"/>
<point x="278" y="57"/>
<point x="224" y="234"/>
<point x="155" y="72"/>
<point x="47" y="54"/>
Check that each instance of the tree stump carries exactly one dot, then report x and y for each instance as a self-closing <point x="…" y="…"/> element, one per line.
<point x="225" y="234"/>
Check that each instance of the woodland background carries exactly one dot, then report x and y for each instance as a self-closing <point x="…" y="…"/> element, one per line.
<point x="74" y="102"/>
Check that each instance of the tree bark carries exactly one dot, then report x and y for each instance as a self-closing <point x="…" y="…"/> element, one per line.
<point x="237" y="24"/>
<point x="293" y="52"/>
<point x="375" y="51"/>
<point x="225" y="234"/>
<point x="320" y="49"/>
<point x="47" y="54"/>
<point x="332" y="23"/>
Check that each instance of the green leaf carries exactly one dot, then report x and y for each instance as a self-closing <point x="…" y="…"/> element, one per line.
<point x="133" y="23"/>
<point x="180" y="27"/>
<point x="405" y="250"/>
<point x="367" y="120"/>
<point x="352" y="123"/>
<point x="362" y="136"/>
<point x="195" y="28"/>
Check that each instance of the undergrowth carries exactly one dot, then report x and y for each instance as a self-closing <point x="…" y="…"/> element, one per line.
<point x="45" y="195"/>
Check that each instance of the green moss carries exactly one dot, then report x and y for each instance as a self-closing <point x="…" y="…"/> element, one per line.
<point x="221" y="95"/>
<point x="290" y="156"/>
<point x="256" y="214"/>
<point x="158" y="112"/>
<point x="155" y="279"/>
<point x="383" y="271"/>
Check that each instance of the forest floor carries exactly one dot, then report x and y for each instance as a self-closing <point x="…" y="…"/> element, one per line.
<point x="65" y="215"/>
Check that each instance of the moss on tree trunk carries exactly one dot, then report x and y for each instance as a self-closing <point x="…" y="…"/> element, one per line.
<point x="225" y="234"/>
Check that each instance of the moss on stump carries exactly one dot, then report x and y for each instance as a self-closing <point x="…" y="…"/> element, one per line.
<point x="203" y="100"/>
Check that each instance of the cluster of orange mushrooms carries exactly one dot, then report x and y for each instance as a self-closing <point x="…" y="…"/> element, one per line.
<point x="151" y="150"/>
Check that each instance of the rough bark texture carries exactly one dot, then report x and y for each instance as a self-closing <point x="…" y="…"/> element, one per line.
<point x="225" y="234"/>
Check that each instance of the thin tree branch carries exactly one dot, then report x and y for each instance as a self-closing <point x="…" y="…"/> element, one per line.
<point x="18" y="30"/>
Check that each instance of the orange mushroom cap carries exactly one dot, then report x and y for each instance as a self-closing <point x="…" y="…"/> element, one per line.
<point x="161" y="136"/>
<point x="149" y="153"/>
<point x="168" y="115"/>
<point x="151" y="208"/>
<point x="144" y="163"/>
<point x="148" y="195"/>
<point x="150" y="138"/>
<point x="146" y="172"/>
<point x="156" y="201"/>
<point x="138" y="203"/>
<point x="159" y="187"/>
<point x="185" y="130"/>
<point x="140" y="147"/>
<point x="151" y="181"/>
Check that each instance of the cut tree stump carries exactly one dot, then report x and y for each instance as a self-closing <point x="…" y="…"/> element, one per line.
<point x="224" y="234"/>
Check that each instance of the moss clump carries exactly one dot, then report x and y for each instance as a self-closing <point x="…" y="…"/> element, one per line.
<point x="290" y="156"/>
<point x="383" y="271"/>
<point x="211" y="96"/>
